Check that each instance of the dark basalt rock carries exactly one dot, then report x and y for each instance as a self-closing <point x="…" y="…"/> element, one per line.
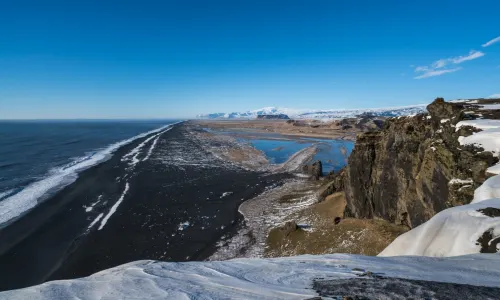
<point x="491" y="212"/>
<point x="315" y="170"/>
<point x="488" y="242"/>
<point x="402" y="172"/>
<point x="273" y="117"/>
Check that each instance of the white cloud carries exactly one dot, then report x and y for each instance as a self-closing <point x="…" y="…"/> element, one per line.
<point x="473" y="54"/>
<point x="439" y="66"/>
<point x="494" y="96"/>
<point x="493" y="41"/>
<point x="432" y="73"/>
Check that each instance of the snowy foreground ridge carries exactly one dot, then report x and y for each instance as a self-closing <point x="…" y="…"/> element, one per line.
<point x="279" y="278"/>
<point x="466" y="229"/>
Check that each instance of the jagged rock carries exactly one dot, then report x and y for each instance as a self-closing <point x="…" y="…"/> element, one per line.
<point x="315" y="170"/>
<point x="402" y="172"/>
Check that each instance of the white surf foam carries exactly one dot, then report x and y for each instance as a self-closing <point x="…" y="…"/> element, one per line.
<point x="6" y="193"/>
<point x="26" y="199"/>
<point x="114" y="207"/>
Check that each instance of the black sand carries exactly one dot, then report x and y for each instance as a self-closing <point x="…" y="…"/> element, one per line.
<point x="52" y="241"/>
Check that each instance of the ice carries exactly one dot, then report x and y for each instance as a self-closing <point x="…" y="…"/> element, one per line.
<point x="278" y="278"/>
<point x="114" y="207"/>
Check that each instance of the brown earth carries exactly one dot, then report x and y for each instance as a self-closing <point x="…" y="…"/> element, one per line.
<point x="329" y="130"/>
<point x="356" y="236"/>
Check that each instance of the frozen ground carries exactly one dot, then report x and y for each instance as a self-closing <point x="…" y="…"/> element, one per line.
<point x="299" y="277"/>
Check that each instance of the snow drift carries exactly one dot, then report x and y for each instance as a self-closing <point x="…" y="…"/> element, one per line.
<point x="279" y="278"/>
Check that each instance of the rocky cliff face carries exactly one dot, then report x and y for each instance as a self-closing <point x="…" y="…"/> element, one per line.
<point x="414" y="167"/>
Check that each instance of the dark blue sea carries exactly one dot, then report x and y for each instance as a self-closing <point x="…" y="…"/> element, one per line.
<point x="39" y="157"/>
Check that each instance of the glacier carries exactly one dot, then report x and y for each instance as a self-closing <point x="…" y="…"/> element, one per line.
<point x="329" y="114"/>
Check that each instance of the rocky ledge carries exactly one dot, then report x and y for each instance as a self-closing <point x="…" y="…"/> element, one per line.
<point x="415" y="166"/>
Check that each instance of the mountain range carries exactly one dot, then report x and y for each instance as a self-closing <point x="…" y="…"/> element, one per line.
<point x="319" y="114"/>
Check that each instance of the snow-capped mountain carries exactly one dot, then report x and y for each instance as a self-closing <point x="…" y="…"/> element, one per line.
<point x="319" y="114"/>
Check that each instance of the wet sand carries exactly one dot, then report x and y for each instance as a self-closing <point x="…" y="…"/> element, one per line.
<point x="175" y="206"/>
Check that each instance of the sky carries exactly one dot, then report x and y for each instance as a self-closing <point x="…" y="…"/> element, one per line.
<point x="175" y="59"/>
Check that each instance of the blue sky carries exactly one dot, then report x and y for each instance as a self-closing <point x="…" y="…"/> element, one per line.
<point x="156" y="59"/>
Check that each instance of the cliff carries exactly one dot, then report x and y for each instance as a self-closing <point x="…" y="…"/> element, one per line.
<point x="414" y="167"/>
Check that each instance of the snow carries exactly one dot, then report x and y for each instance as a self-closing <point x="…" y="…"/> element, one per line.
<point x="328" y="114"/>
<point x="433" y="148"/>
<point x="460" y="181"/>
<point x="89" y="208"/>
<point x="95" y="221"/>
<point x="278" y="278"/>
<point x="445" y="120"/>
<point x="489" y="106"/>
<point x="114" y="207"/>
<point x="183" y="225"/>
<point x="226" y="194"/>
<point x="451" y="232"/>
<point x="457" y="230"/>
<point x="488" y="190"/>
<point x="479" y="123"/>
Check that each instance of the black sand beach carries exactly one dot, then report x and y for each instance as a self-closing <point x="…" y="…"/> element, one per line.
<point x="175" y="205"/>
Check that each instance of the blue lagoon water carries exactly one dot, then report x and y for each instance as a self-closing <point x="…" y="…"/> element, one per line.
<point x="332" y="153"/>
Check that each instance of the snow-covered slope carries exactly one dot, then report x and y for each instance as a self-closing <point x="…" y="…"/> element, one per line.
<point x="319" y="114"/>
<point x="466" y="229"/>
<point x="281" y="278"/>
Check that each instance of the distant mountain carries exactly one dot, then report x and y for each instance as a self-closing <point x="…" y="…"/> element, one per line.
<point x="319" y="114"/>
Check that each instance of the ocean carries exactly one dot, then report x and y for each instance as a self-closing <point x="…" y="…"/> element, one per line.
<point x="38" y="158"/>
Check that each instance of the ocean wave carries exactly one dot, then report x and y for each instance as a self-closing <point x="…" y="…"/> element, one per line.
<point x="26" y="199"/>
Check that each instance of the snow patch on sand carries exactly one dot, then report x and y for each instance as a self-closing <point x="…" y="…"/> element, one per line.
<point x="114" y="207"/>
<point x="89" y="208"/>
<point x="226" y="194"/>
<point x="95" y="221"/>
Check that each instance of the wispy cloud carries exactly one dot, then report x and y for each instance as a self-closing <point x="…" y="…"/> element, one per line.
<point x="494" y="96"/>
<point x="443" y="66"/>
<point x="432" y="73"/>
<point x="473" y="54"/>
<point x="493" y="41"/>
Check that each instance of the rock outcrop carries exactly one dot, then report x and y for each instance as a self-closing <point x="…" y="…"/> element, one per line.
<point x="315" y="170"/>
<point x="414" y="167"/>
<point x="273" y="117"/>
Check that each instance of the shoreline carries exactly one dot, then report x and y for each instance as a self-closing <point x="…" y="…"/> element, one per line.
<point x="178" y="184"/>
